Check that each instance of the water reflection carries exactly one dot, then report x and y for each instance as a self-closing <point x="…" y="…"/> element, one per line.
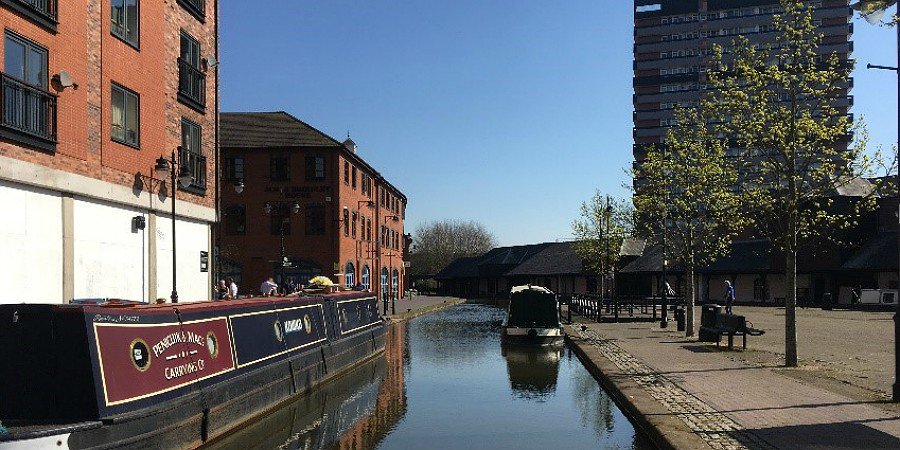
<point x="447" y="383"/>
<point x="355" y="411"/>
<point x="532" y="370"/>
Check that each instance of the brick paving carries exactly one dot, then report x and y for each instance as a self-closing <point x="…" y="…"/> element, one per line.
<point x="733" y="404"/>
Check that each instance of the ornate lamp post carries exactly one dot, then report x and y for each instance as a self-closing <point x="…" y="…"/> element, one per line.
<point x="390" y="272"/>
<point x="284" y="211"/>
<point x="873" y="11"/>
<point x="185" y="178"/>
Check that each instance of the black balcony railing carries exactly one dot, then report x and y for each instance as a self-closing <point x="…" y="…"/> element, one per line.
<point x="191" y="84"/>
<point x="27" y="109"/>
<point x="196" y="165"/>
<point x="43" y="8"/>
<point x="195" y="7"/>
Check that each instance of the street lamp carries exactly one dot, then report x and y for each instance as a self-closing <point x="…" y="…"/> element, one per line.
<point x="664" y="314"/>
<point x="283" y="210"/>
<point x="873" y="11"/>
<point x="185" y="178"/>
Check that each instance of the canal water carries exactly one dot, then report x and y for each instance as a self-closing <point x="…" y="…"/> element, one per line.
<point x="445" y="382"/>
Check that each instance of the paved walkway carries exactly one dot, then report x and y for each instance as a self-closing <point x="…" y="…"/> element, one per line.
<point x="734" y="403"/>
<point x="419" y="304"/>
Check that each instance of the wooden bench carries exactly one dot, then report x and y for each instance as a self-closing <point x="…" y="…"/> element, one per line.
<point x="731" y="325"/>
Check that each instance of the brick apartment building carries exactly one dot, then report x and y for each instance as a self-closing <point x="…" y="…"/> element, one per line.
<point x="673" y="40"/>
<point x="340" y="218"/>
<point x="93" y="92"/>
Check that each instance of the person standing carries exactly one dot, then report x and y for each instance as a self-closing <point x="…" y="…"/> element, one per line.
<point x="729" y="296"/>
<point x="232" y="288"/>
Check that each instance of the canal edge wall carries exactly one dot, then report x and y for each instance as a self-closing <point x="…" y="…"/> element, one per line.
<point x="423" y="311"/>
<point x="663" y="428"/>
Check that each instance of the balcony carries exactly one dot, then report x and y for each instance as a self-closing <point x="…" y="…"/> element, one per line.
<point x="197" y="8"/>
<point x="28" y="114"/>
<point x="191" y="85"/>
<point x="196" y="164"/>
<point x="44" y="12"/>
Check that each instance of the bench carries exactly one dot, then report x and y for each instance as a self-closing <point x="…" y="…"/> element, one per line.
<point x="731" y="325"/>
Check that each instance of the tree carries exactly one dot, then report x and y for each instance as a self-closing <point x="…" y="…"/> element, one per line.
<point x="779" y="105"/>
<point x="437" y="244"/>
<point x="686" y="191"/>
<point x="604" y="222"/>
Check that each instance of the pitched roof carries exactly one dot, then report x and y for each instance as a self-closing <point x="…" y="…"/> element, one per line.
<point x="747" y="256"/>
<point x="281" y="130"/>
<point x="558" y="258"/>
<point x="270" y="129"/>
<point x="459" y="268"/>
<point x="878" y="253"/>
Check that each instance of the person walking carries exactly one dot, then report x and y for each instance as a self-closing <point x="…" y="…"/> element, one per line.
<point x="729" y="296"/>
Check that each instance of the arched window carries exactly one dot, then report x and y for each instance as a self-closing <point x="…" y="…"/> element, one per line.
<point x="395" y="284"/>
<point x="364" y="278"/>
<point x="349" y="274"/>
<point x="384" y="282"/>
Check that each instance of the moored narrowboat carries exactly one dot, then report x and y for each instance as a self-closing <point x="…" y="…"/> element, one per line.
<point x="172" y="375"/>
<point x="532" y="317"/>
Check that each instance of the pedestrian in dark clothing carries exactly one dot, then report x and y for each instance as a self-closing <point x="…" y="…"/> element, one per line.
<point x="729" y="296"/>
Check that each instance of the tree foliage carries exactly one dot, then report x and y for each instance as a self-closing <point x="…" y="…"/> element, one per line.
<point x="779" y="105"/>
<point x="687" y="191"/>
<point x="437" y="244"/>
<point x="591" y="231"/>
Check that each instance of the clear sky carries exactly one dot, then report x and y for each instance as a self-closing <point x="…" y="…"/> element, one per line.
<point x="508" y="112"/>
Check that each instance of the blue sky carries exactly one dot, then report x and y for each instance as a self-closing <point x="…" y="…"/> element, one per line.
<point x="507" y="112"/>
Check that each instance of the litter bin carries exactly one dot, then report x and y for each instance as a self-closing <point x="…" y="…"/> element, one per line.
<point x="708" y="320"/>
<point x="679" y="318"/>
<point x="708" y="315"/>
<point x="827" y="301"/>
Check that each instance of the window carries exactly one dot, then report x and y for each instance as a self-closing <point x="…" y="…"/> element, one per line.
<point x="395" y="283"/>
<point x="29" y="111"/>
<point x="235" y="220"/>
<point x="315" y="168"/>
<point x="234" y="168"/>
<point x="384" y="282"/>
<point x="353" y="220"/>
<point x="364" y="278"/>
<point x="349" y="275"/>
<point x="279" y="168"/>
<point x="125" y="16"/>
<point x="315" y="219"/>
<point x="125" y="116"/>
<point x="346" y="222"/>
<point x="25" y="60"/>
<point x="197" y="8"/>
<point x="191" y="79"/>
<point x="369" y="230"/>
<point x="191" y="153"/>
<point x="353" y="178"/>
<point x="346" y="172"/>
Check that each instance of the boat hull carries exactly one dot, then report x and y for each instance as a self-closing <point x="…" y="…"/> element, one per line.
<point x="266" y="352"/>
<point x="532" y="336"/>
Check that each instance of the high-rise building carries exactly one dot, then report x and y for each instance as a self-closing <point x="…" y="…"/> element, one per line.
<point x="673" y="40"/>
<point x="93" y="93"/>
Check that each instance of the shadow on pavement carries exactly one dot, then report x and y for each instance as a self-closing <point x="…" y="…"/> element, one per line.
<point x="847" y="435"/>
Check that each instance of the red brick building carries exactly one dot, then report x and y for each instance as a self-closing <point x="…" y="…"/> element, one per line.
<point x="93" y="92"/>
<point x="340" y="217"/>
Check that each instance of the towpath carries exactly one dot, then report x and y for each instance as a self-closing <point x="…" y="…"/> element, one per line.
<point x="693" y="395"/>
<point x="407" y="308"/>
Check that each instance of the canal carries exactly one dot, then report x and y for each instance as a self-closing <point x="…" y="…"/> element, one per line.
<point x="446" y="383"/>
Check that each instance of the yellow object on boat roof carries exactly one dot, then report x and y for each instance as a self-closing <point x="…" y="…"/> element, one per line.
<point x="321" y="281"/>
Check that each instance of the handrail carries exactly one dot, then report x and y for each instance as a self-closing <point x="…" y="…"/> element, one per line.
<point x="191" y="82"/>
<point x="27" y="109"/>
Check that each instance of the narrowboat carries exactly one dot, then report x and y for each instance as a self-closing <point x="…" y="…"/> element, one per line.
<point x="171" y="375"/>
<point x="532" y="317"/>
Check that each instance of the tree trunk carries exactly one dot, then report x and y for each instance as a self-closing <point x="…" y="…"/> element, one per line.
<point x="690" y="300"/>
<point x="790" y="310"/>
